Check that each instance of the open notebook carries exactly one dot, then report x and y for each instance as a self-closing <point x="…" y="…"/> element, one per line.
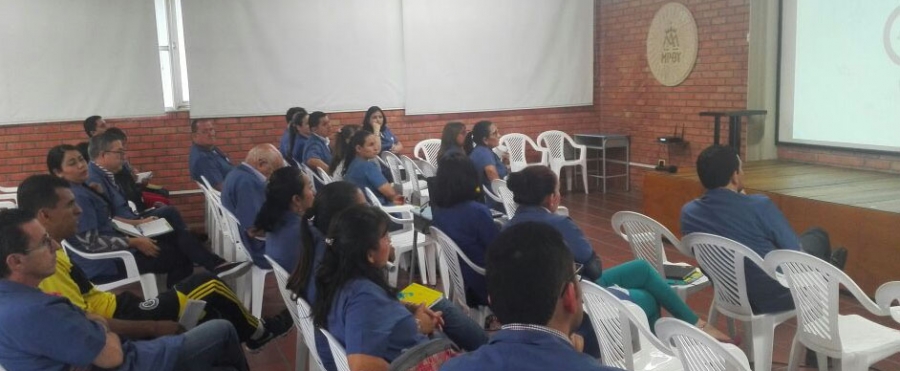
<point x="418" y="294"/>
<point x="149" y="229"/>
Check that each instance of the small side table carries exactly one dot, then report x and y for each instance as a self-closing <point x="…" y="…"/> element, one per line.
<point x="601" y="142"/>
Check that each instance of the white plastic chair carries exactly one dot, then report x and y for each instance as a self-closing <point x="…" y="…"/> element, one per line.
<point x="555" y="142"/>
<point x="453" y="286"/>
<point x="612" y="321"/>
<point x="312" y="175"/>
<point x="213" y="219"/>
<point x="517" y="145"/>
<point x="132" y="274"/>
<point x="337" y="352"/>
<point x="397" y="169"/>
<point x="698" y="351"/>
<point x="427" y="150"/>
<point x="645" y="235"/>
<point x="257" y="274"/>
<point x="306" y="343"/>
<point x="323" y="176"/>
<point x="428" y="170"/>
<point x="415" y="184"/>
<point x="506" y="197"/>
<point x="815" y="288"/>
<point x="723" y="260"/>
<point x="402" y="240"/>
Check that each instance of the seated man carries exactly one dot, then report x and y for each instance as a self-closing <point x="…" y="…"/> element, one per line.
<point x="107" y="158"/>
<point x="245" y="191"/>
<point x="753" y="220"/>
<point x="95" y="125"/>
<point x="206" y="159"/>
<point x="52" y="202"/>
<point x="533" y="289"/>
<point x="43" y="332"/>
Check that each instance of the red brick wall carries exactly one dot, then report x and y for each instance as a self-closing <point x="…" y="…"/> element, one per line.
<point x="631" y="101"/>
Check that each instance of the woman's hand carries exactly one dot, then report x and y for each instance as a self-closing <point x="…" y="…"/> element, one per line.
<point x="428" y="320"/>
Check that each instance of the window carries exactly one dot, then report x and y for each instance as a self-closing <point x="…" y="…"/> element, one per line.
<point x="172" y="61"/>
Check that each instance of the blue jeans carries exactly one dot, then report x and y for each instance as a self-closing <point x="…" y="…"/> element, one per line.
<point x="459" y="327"/>
<point x="212" y="345"/>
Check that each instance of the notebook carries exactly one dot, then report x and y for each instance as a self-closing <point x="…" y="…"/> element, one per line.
<point x="418" y="294"/>
<point x="678" y="271"/>
<point x="149" y="229"/>
<point x="141" y="177"/>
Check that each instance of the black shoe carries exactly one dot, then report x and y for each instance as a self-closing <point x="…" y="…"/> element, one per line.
<point x="839" y="258"/>
<point x="232" y="268"/>
<point x="275" y="327"/>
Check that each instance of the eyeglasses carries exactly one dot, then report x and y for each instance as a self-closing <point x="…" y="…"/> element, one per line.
<point x="120" y="152"/>
<point x="576" y="277"/>
<point x="45" y="243"/>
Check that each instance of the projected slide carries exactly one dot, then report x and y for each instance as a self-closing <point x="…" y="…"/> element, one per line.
<point x="840" y="74"/>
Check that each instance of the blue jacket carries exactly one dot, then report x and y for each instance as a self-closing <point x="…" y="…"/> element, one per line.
<point x="574" y="237"/>
<point x="243" y="194"/>
<point x="210" y="163"/>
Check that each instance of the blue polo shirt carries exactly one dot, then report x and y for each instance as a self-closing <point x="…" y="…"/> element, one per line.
<point x="316" y="147"/>
<point x="284" y="244"/>
<point x="367" y="174"/>
<point x="525" y="350"/>
<point x="43" y="332"/>
<point x="209" y="162"/>
<point x="387" y="139"/>
<point x="574" y="237"/>
<point x="112" y="191"/>
<point x="285" y="145"/>
<point x="754" y="221"/>
<point x="366" y="320"/>
<point x="482" y="157"/>
<point x="470" y="225"/>
<point x="243" y="194"/>
<point x="96" y="215"/>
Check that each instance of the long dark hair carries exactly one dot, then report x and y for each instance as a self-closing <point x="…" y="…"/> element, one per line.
<point x="448" y="136"/>
<point x="456" y="181"/>
<point x="532" y="185"/>
<point x="343" y="139"/>
<point x="479" y="133"/>
<point x="367" y="125"/>
<point x="358" y="139"/>
<point x="283" y="185"/>
<point x="353" y="234"/>
<point x="330" y="200"/>
<point x="296" y="121"/>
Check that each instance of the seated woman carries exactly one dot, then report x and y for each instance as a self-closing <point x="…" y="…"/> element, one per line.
<point x="459" y="213"/>
<point x="479" y="145"/>
<point x="340" y="146"/>
<point x="316" y="152"/>
<point x="536" y="190"/>
<point x="329" y="202"/>
<point x="376" y="123"/>
<point x="289" y="193"/>
<point x="359" y="170"/>
<point x="96" y="232"/>
<point x="453" y="138"/>
<point x="295" y="135"/>
<point x="355" y="303"/>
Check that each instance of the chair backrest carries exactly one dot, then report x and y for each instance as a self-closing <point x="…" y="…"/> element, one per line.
<point x="506" y="196"/>
<point x="516" y="144"/>
<point x="394" y="164"/>
<point x="337" y="173"/>
<point x="337" y="352"/>
<point x="427" y="150"/>
<point x="697" y="350"/>
<point x="428" y="170"/>
<point x="722" y="260"/>
<point x="311" y="174"/>
<point x="612" y="322"/>
<point x="815" y="288"/>
<point x="644" y="235"/>
<point x="323" y="176"/>
<point x="299" y="309"/>
<point x="554" y="141"/>
<point x="449" y="255"/>
<point x="232" y="228"/>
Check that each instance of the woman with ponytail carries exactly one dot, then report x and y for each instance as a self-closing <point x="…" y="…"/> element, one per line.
<point x="289" y="194"/>
<point x="479" y="145"/>
<point x="359" y="168"/>
<point x="295" y="135"/>
<point x="340" y="147"/>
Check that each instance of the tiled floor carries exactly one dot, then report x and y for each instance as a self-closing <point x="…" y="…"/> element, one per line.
<point x="592" y="213"/>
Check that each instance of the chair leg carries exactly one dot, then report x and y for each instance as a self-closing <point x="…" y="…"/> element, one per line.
<point x="256" y="291"/>
<point x="795" y="355"/>
<point x="302" y="356"/>
<point x="822" y="360"/>
<point x="148" y="286"/>
<point x="584" y="177"/>
<point x="763" y="336"/>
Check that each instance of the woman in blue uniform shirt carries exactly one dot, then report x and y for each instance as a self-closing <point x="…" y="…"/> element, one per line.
<point x="356" y="305"/>
<point x="480" y="143"/>
<point x="453" y="138"/>
<point x="288" y="194"/>
<point x="359" y="168"/>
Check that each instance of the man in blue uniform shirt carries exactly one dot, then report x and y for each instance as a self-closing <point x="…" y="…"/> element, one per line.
<point x="245" y="191"/>
<point x="43" y="332"/>
<point x="753" y="220"/>
<point x="533" y="288"/>
<point x="206" y="159"/>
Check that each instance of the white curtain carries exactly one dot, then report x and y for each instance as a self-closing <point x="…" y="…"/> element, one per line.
<point x="476" y="55"/>
<point x="249" y="58"/>
<point x="67" y="60"/>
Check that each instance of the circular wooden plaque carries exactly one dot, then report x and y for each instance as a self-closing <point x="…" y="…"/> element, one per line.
<point x="672" y="44"/>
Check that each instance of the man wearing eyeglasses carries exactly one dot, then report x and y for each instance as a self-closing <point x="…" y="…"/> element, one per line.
<point x="43" y="332"/>
<point x="532" y="284"/>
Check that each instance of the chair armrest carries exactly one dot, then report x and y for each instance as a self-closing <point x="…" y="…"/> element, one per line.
<point x="886" y="295"/>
